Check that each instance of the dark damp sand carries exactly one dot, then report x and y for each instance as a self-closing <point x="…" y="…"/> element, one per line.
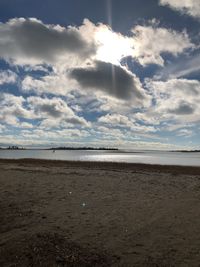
<point x="55" y="213"/>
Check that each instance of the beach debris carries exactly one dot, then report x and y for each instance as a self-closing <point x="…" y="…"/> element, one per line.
<point x="70" y="192"/>
<point x="83" y="204"/>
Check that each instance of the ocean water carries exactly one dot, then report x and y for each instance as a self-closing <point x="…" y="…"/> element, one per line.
<point x="148" y="157"/>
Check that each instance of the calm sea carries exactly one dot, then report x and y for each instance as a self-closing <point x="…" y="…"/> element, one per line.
<point x="149" y="157"/>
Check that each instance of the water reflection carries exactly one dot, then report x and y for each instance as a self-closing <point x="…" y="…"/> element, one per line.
<point x="149" y="157"/>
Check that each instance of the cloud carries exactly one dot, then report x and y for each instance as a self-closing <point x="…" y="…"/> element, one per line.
<point x="190" y="7"/>
<point x="54" y="107"/>
<point x="30" y="41"/>
<point x="123" y="121"/>
<point x="175" y="100"/>
<point x="185" y="133"/>
<point x="112" y="46"/>
<point x="7" y="77"/>
<point x="184" y="108"/>
<point x="12" y="109"/>
<point x="114" y="80"/>
<point x="150" y="42"/>
<point x="51" y="113"/>
<point x="183" y="68"/>
<point x="74" y="74"/>
<point x="116" y="119"/>
<point x="55" y="112"/>
<point x="53" y="83"/>
<point x="100" y="78"/>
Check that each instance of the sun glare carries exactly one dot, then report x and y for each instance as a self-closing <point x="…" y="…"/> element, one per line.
<point x="112" y="46"/>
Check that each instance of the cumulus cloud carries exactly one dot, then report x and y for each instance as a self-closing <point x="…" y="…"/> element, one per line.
<point x="190" y="7"/>
<point x="99" y="77"/>
<point x="12" y="109"/>
<point x="7" y="76"/>
<point x="53" y="83"/>
<point x="51" y="113"/>
<point x="151" y="41"/>
<point x="55" y="111"/>
<point x="29" y="41"/>
<point x="53" y="107"/>
<point x="113" y="80"/>
<point x="183" y="108"/>
<point x="176" y="99"/>
<point x="118" y="120"/>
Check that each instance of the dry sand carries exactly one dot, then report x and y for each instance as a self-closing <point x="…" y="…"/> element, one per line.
<point x="98" y="214"/>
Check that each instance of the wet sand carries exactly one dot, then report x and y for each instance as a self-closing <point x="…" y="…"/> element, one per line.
<point x="55" y="213"/>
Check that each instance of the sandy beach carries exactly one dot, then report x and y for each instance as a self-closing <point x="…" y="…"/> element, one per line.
<point x="56" y="213"/>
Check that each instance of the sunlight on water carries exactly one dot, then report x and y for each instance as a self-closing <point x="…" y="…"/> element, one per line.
<point x="149" y="157"/>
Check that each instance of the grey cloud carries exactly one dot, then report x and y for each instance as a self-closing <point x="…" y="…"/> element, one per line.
<point x="26" y="39"/>
<point x="183" y="109"/>
<point x="112" y="79"/>
<point x="76" y="120"/>
<point x="54" y="111"/>
<point x="50" y="109"/>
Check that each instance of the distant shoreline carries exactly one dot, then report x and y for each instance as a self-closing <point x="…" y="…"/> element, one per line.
<point x="63" y="148"/>
<point x="101" y="149"/>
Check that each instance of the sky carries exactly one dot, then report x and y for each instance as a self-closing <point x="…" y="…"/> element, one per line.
<point x="109" y="73"/>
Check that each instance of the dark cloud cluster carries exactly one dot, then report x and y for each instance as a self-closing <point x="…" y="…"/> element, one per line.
<point x="112" y="79"/>
<point x="26" y="39"/>
<point x="183" y="109"/>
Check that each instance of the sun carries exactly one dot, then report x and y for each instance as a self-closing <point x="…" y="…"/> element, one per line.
<point x="112" y="46"/>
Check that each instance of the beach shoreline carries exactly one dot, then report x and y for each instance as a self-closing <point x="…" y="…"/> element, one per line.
<point x="179" y="169"/>
<point x="109" y="214"/>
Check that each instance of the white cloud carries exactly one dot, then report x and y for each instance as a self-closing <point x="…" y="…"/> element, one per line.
<point x="52" y="112"/>
<point x="176" y="99"/>
<point x="184" y="67"/>
<point x="151" y="41"/>
<point x="118" y="120"/>
<point x="185" y="133"/>
<point x="113" y="46"/>
<point x="53" y="83"/>
<point x="190" y="7"/>
<point x="12" y="109"/>
<point x="7" y="76"/>
<point x="2" y="128"/>
<point x="55" y="112"/>
<point x="30" y="41"/>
